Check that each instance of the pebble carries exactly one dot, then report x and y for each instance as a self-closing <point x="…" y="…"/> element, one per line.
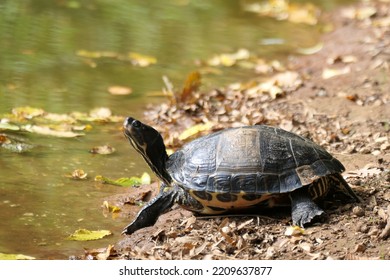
<point x="358" y="211"/>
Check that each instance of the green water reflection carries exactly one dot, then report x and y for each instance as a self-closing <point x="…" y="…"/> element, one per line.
<point x="39" y="67"/>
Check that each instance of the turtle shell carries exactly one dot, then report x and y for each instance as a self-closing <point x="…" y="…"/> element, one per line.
<point x="253" y="162"/>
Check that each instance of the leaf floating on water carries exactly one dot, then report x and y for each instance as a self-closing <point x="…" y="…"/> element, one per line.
<point x="8" y="126"/>
<point x="27" y="112"/>
<point x="78" y="174"/>
<point x="86" y="235"/>
<point x="62" y="118"/>
<point x="15" y="257"/>
<point x="141" y="59"/>
<point x="111" y="208"/>
<point x="194" y="130"/>
<point x="229" y="59"/>
<point x="126" y="182"/>
<point x="102" y="150"/>
<point x="119" y="90"/>
<point x="96" y="54"/>
<point x="284" y="10"/>
<point x="45" y="130"/>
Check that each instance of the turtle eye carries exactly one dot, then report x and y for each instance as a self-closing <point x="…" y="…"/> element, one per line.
<point x="136" y="124"/>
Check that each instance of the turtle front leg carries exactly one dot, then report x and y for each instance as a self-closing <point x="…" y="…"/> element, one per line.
<point x="303" y="209"/>
<point x="151" y="211"/>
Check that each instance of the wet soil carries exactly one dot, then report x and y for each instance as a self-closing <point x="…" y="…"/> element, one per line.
<point x="348" y="114"/>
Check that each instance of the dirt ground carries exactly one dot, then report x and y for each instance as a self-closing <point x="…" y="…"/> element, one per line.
<point x="339" y="97"/>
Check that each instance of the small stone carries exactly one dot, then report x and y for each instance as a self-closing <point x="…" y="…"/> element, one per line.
<point x="358" y="211"/>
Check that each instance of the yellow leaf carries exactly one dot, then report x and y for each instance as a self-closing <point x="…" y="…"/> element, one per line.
<point x="294" y="231"/>
<point x="86" y="235"/>
<point x="311" y="50"/>
<point x="284" y="10"/>
<point x="111" y="208"/>
<point x="119" y="90"/>
<point x="45" y="130"/>
<point x="141" y="59"/>
<point x="195" y="130"/>
<point x="27" y="112"/>
<point x="229" y="59"/>
<point x="15" y="257"/>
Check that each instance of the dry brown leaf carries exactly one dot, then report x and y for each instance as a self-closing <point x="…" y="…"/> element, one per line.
<point x="328" y="73"/>
<point x="191" y="85"/>
<point x="102" y="150"/>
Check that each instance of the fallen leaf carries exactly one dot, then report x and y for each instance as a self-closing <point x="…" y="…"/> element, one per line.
<point x="229" y="59"/>
<point x="191" y="85"/>
<point x="311" y="50"/>
<point x="78" y="174"/>
<point x="106" y="253"/>
<point x="328" y="73"/>
<point x="141" y="59"/>
<point x="45" y="130"/>
<point x="367" y="171"/>
<point x="111" y="208"/>
<point x="126" y="182"/>
<point x="27" y="112"/>
<point x="294" y="231"/>
<point x="100" y="113"/>
<point x="382" y="22"/>
<point x="97" y="54"/>
<point x="86" y="235"/>
<point x="119" y="90"/>
<point x="194" y="130"/>
<point x="8" y="126"/>
<point x="284" y="10"/>
<point x="102" y="150"/>
<point x="15" y="257"/>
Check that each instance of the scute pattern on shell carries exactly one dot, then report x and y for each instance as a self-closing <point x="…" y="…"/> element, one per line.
<point x="251" y="160"/>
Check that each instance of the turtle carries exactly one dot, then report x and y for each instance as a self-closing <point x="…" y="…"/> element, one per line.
<point x="238" y="168"/>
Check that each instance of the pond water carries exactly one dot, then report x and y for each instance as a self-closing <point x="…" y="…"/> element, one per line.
<point x="41" y="66"/>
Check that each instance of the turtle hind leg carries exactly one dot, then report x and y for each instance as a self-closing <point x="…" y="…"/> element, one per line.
<point x="303" y="209"/>
<point x="149" y="214"/>
<point x="341" y="186"/>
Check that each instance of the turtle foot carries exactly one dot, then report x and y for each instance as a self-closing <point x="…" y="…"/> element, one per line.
<point x="150" y="212"/>
<point x="303" y="210"/>
<point x="308" y="214"/>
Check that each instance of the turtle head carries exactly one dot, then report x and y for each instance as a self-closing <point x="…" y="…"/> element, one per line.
<point x="149" y="143"/>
